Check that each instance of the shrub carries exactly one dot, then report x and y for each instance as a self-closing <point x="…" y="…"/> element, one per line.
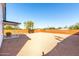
<point x="8" y="34"/>
<point x="75" y="26"/>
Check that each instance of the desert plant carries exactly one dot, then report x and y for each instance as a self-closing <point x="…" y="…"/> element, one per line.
<point x="8" y="34"/>
<point x="7" y="27"/>
<point x="10" y="27"/>
<point x="59" y="28"/>
<point x="51" y="28"/>
<point x="76" y="26"/>
<point x="29" y="25"/>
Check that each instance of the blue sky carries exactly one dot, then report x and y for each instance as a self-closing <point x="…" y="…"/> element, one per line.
<point x="44" y="14"/>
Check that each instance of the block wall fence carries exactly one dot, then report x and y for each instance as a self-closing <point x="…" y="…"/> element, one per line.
<point x="24" y="31"/>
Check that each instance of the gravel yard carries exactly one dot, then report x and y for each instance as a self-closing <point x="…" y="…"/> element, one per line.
<point x="37" y="44"/>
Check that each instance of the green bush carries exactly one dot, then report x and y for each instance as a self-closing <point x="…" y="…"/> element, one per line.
<point x="8" y="34"/>
<point x="76" y="26"/>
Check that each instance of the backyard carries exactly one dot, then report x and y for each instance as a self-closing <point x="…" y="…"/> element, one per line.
<point x="42" y="43"/>
<point x="40" y="29"/>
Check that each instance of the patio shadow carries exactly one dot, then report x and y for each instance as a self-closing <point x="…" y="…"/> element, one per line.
<point x="68" y="47"/>
<point x="11" y="47"/>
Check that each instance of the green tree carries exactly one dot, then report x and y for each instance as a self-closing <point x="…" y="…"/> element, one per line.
<point x="51" y="28"/>
<point x="8" y="27"/>
<point x="59" y="28"/>
<point x="76" y="26"/>
<point x="29" y="25"/>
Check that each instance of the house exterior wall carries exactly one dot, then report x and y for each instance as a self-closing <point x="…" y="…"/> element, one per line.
<point x="1" y="27"/>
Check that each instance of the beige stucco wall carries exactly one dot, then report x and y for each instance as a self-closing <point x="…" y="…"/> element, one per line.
<point x="1" y="18"/>
<point x="23" y="31"/>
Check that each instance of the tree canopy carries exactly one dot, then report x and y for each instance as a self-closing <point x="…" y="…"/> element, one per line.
<point x="29" y="25"/>
<point x="75" y="26"/>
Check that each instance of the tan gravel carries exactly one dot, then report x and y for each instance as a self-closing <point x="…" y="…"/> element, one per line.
<point x="39" y="43"/>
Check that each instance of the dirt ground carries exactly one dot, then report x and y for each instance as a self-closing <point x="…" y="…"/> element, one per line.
<point x="37" y="44"/>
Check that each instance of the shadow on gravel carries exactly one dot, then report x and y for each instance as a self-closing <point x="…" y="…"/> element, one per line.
<point x="68" y="47"/>
<point x="11" y="47"/>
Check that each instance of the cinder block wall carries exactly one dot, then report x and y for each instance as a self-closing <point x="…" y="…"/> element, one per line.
<point x="24" y="31"/>
<point x="59" y="31"/>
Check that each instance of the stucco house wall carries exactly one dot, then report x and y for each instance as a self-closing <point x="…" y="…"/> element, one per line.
<point x="1" y="20"/>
